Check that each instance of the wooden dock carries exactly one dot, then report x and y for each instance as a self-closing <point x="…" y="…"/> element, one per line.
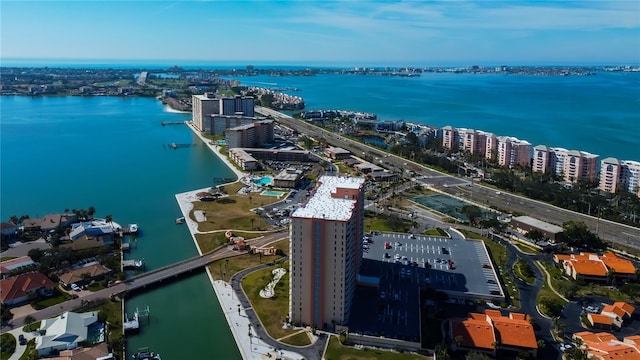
<point x="165" y="123"/>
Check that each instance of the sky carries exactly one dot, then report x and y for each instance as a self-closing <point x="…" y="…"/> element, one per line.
<point x="353" y="33"/>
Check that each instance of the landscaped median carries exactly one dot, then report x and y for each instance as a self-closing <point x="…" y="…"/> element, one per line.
<point x="524" y="271"/>
<point x="550" y="302"/>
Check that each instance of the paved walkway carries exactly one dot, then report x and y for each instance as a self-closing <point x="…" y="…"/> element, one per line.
<point x="243" y="327"/>
<point x="539" y="265"/>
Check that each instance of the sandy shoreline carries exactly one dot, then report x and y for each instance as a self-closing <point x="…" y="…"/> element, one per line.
<point x="250" y="347"/>
<point x="169" y="109"/>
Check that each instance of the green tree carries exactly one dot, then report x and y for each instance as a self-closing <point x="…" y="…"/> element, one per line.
<point x="535" y="235"/>
<point x="29" y="320"/>
<point x="472" y="212"/>
<point x="477" y="356"/>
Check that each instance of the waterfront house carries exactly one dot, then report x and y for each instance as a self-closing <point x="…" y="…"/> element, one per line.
<point x="31" y="225"/>
<point x="87" y="242"/>
<point x="9" y="230"/>
<point x="100" y="230"/>
<point x="83" y="275"/>
<point x="21" y="288"/>
<point x="98" y="352"/>
<point x="53" y="221"/>
<point x="64" y="331"/>
<point x="20" y="263"/>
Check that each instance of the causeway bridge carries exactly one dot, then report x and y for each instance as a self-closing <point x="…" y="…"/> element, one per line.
<point x="148" y="279"/>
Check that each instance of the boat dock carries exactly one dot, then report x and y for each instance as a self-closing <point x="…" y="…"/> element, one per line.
<point x="180" y="220"/>
<point x="136" y="264"/>
<point x="176" y="146"/>
<point x="164" y="123"/>
<point x="133" y="325"/>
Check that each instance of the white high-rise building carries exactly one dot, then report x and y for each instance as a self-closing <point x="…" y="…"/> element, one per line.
<point x="326" y="251"/>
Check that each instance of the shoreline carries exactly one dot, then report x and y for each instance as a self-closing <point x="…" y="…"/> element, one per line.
<point x="169" y="109"/>
<point x="249" y="346"/>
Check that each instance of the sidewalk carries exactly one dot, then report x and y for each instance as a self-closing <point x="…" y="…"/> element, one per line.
<point x="216" y="150"/>
<point x="249" y="345"/>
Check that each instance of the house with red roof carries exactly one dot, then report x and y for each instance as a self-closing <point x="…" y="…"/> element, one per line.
<point x="594" y="267"/>
<point x="491" y="331"/>
<point x="21" y="288"/>
<point x="605" y="346"/>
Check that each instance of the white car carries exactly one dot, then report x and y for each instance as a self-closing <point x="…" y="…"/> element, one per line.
<point x="75" y="287"/>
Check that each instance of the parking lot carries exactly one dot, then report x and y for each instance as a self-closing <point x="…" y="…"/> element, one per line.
<point x="396" y="266"/>
<point x="461" y="268"/>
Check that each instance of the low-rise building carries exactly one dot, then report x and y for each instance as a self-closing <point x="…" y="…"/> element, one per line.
<point x="83" y="275"/>
<point x="605" y="346"/>
<point x="9" y="230"/>
<point x="594" y="267"/>
<point x="64" y="332"/>
<point x="527" y="223"/>
<point x="288" y="178"/>
<point x="337" y="153"/>
<point x="98" y="352"/>
<point x="23" y="287"/>
<point x="489" y="331"/>
<point x="11" y="265"/>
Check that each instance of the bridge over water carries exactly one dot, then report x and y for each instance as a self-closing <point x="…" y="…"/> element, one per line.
<point x="148" y="279"/>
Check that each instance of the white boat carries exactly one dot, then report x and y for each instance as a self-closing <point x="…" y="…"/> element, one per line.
<point x="133" y="228"/>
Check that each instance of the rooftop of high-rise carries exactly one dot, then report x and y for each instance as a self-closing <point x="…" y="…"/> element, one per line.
<point x="324" y="204"/>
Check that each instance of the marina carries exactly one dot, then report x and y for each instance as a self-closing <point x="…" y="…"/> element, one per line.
<point x="135" y="264"/>
<point x="145" y="354"/>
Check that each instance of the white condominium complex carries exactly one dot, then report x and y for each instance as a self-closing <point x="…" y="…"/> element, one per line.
<point x="326" y="251"/>
<point x="616" y="176"/>
<point x="512" y="152"/>
<point x="203" y="106"/>
<point x="571" y="165"/>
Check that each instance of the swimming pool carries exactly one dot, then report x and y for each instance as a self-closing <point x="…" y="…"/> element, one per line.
<point x="265" y="180"/>
<point x="272" y="193"/>
<point x="95" y="332"/>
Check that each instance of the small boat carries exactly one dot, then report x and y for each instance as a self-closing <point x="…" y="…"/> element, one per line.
<point x="146" y="355"/>
<point x="133" y="228"/>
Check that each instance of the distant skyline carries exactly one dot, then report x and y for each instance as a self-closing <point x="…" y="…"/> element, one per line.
<point x="331" y="33"/>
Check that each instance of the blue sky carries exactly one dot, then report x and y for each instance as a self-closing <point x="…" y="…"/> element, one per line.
<point x="354" y="33"/>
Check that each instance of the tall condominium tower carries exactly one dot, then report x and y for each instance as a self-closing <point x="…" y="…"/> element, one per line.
<point x="326" y="251"/>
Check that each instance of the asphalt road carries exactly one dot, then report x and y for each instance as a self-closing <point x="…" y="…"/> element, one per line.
<point x="482" y="195"/>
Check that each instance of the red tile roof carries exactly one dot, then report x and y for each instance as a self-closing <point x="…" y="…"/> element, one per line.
<point x="618" y="264"/>
<point x="628" y="308"/>
<point x="484" y="330"/>
<point x="19" y="286"/>
<point x="600" y="319"/>
<point x="607" y="347"/>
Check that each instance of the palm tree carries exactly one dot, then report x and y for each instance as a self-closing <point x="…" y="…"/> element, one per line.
<point x="109" y="219"/>
<point x="91" y="212"/>
<point x="28" y="321"/>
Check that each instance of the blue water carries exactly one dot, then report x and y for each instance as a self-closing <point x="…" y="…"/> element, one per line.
<point x="263" y="180"/>
<point x="599" y="114"/>
<point x="107" y="152"/>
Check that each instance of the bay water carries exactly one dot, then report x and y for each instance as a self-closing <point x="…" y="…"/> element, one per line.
<point x="599" y="114"/>
<point x="112" y="153"/>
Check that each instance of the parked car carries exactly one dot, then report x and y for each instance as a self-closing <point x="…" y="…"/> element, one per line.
<point x="75" y="287"/>
<point x="22" y="340"/>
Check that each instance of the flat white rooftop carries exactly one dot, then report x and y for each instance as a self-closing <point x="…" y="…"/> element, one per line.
<point x="323" y="206"/>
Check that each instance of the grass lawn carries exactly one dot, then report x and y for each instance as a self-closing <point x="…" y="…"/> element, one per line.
<point x="272" y="311"/>
<point x="96" y="285"/>
<point x="111" y="311"/>
<point x="519" y="268"/>
<point x="545" y="291"/>
<point x="435" y="232"/>
<point x="57" y="298"/>
<point x="33" y="327"/>
<point x="337" y="351"/>
<point x="8" y="342"/>
<point x="5" y="258"/>
<point x="233" y="211"/>
<point x="300" y="339"/>
<point x="525" y="248"/>
<point x="30" y="352"/>
<point x="208" y="242"/>
<point x="235" y="264"/>
<point x="375" y="222"/>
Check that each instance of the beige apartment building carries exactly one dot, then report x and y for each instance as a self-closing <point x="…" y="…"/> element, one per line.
<point x="513" y="151"/>
<point x="571" y="165"/>
<point x="326" y="252"/>
<point x="617" y="175"/>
